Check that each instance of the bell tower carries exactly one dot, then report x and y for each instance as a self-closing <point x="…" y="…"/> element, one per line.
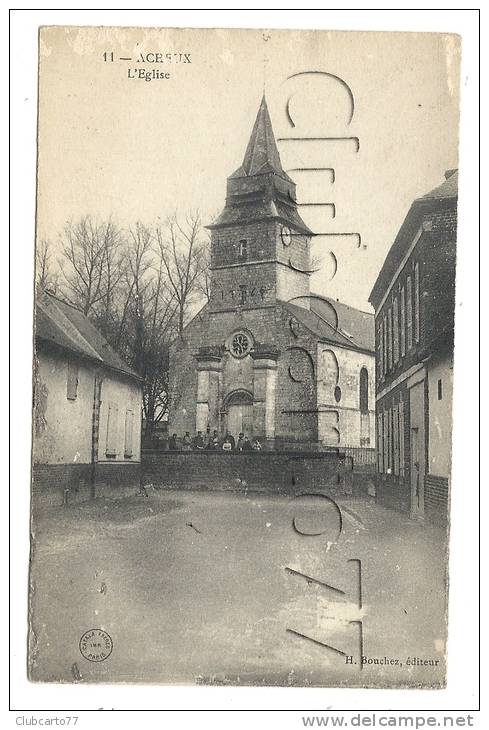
<point x="259" y="243"/>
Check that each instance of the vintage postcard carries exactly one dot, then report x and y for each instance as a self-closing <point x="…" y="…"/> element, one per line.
<point x="245" y="287"/>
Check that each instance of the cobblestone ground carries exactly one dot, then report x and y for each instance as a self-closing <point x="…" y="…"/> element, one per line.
<point x="224" y="588"/>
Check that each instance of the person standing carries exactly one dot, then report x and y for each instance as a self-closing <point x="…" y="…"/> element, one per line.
<point x="246" y="444"/>
<point x="228" y="443"/>
<point x="173" y="443"/>
<point x="240" y="442"/>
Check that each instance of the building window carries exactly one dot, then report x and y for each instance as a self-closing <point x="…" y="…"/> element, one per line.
<point x="440" y="390"/>
<point x="384" y="342"/>
<point x="395" y="419"/>
<point x="416" y="302"/>
<point x="396" y="330"/>
<point x="409" y="314"/>
<point x="391" y="339"/>
<point x="240" y="344"/>
<point x="112" y="418"/>
<point x="243" y="249"/>
<point x="72" y="381"/>
<point x="243" y="293"/>
<point x="380" y="346"/>
<point x="385" y="439"/>
<point x="402" y="317"/>
<point x="363" y="390"/>
<point x="401" y="438"/>
<point x="380" y="444"/>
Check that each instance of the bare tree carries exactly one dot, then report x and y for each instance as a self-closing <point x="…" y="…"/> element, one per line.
<point x="147" y="322"/>
<point x="181" y="251"/>
<point x="159" y="328"/>
<point x="136" y="276"/>
<point x="203" y="282"/>
<point x="46" y="276"/>
<point x="91" y="263"/>
<point x="138" y="286"/>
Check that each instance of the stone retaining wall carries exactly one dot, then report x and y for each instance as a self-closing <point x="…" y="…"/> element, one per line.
<point x="266" y="472"/>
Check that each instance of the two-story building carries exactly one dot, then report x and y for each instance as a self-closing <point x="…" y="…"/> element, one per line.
<point x="414" y="300"/>
<point x="87" y="409"/>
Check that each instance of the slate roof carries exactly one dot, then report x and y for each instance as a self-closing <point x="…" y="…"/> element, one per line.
<point x="255" y="210"/>
<point x="270" y="200"/>
<point x="67" y="327"/>
<point x="336" y="322"/>
<point x="444" y="195"/>
<point x="448" y="188"/>
<point x="262" y="153"/>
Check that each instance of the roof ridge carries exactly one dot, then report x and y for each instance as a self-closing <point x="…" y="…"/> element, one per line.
<point x="69" y="329"/>
<point x="63" y="301"/>
<point x="330" y="300"/>
<point x="336" y="330"/>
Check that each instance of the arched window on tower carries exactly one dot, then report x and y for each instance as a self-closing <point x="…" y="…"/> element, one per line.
<point x="363" y="390"/>
<point x="243" y="249"/>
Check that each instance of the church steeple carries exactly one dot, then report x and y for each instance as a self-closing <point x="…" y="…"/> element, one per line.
<point x="259" y="243"/>
<point x="260" y="188"/>
<point x="261" y="153"/>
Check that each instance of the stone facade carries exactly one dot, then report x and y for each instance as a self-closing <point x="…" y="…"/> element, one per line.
<point x="253" y="359"/>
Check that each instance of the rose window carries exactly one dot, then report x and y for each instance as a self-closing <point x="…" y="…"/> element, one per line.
<point x="240" y="344"/>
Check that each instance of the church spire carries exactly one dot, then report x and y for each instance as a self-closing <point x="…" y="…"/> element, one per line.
<point x="261" y="153"/>
<point x="260" y="189"/>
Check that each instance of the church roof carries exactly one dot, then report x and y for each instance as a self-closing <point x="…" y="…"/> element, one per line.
<point x="259" y="210"/>
<point x="336" y="322"/>
<point x="272" y="196"/>
<point x="262" y="153"/>
<point x="67" y="327"/>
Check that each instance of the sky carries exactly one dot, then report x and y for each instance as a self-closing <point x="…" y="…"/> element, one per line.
<point x="111" y="145"/>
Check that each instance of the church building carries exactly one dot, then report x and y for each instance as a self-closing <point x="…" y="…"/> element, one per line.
<point x="264" y="356"/>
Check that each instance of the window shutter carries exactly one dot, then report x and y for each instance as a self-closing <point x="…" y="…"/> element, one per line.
<point x="409" y="313"/>
<point x="128" y="431"/>
<point x="380" y="444"/>
<point x="401" y="438"/>
<point x="396" y="330"/>
<point x="416" y="302"/>
<point x="381" y="349"/>
<point x="72" y="381"/>
<point x="112" y="417"/>
<point x="396" y="439"/>
<point x="402" y="315"/>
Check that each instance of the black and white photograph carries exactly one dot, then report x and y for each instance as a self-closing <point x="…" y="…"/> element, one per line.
<point x="246" y="247"/>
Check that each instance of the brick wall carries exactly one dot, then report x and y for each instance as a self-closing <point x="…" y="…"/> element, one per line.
<point x="267" y="472"/>
<point x="54" y="484"/>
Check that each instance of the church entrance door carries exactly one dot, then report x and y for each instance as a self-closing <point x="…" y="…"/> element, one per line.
<point x="239" y="408"/>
